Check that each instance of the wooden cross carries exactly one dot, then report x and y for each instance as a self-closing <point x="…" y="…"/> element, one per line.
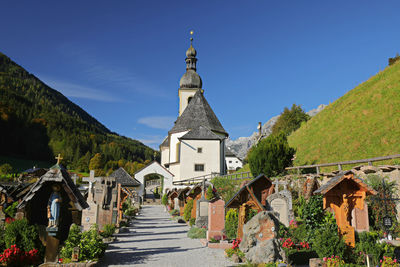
<point x="58" y="158"/>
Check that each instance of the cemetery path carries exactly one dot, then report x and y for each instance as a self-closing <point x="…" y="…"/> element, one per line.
<point x="156" y="240"/>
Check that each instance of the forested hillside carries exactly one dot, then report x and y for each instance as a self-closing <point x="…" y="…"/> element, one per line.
<point x="38" y="122"/>
<point x="361" y="124"/>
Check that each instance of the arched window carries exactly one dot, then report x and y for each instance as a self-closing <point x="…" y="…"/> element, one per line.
<point x="189" y="98"/>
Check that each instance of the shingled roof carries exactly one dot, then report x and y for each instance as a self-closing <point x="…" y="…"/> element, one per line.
<point x="198" y="113"/>
<point x="57" y="173"/>
<point x="165" y="143"/>
<point x="201" y="133"/>
<point x="123" y="178"/>
<point x="340" y="177"/>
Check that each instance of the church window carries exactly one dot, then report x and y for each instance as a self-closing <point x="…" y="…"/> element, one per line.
<point x="190" y="98"/>
<point x="199" y="150"/>
<point x="230" y="161"/>
<point x="198" y="167"/>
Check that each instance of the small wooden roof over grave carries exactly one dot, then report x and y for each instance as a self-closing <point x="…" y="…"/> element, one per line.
<point x="334" y="183"/>
<point x="195" y="191"/>
<point x="182" y="193"/>
<point x="123" y="178"/>
<point x="310" y="185"/>
<point x="173" y="194"/>
<point x="57" y="173"/>
<point x="251" y="191"/>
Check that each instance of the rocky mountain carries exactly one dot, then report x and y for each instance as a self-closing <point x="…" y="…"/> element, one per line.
<point x="242" y="145"/>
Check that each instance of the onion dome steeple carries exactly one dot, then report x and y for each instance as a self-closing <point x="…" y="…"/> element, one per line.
<point x="191" y="79"/>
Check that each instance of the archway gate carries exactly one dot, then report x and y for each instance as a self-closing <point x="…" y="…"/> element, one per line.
<point x="154" y="168"/>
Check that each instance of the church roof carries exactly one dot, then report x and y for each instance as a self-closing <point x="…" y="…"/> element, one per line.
<point x="165" y="143"/>
<point x="198" y="113"/>
<point x="123" y="178"/>
<point x="201" y="133"/>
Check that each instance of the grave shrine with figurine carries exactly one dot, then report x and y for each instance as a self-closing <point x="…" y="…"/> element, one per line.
<point x="345" y="196"/>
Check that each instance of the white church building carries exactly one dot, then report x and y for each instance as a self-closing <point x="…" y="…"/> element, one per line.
<point x="195" y="145"/>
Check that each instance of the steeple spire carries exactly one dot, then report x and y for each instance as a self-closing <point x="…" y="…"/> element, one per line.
<point x="191" y="55"/>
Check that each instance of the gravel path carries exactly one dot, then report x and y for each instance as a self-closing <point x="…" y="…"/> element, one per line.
<point x="155" y="240"/>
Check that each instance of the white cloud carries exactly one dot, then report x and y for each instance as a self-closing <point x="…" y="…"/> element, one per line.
<point x="152" y="141"/>
<point x="109" y="75"/>
<point x="158" y="122"/>
<point x="79" y="91"/>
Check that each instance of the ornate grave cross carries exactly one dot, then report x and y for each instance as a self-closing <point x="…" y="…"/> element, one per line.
<point x="276" y="184"/>
<point x="91" y="179"/>
<point x="387" y="220"/>
<point x="58" y="158"/>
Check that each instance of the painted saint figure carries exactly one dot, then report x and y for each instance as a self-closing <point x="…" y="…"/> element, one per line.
<point x="53" y="206"/>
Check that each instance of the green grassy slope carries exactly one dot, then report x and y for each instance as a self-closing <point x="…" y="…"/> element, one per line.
<point x="363" y="123"/>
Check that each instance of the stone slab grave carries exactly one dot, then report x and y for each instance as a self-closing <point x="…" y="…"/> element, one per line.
<point x="90" y="215"/>
<point x="281" y="203"/>
<point x="216" y="219"/>
<point x="202" y="212"/>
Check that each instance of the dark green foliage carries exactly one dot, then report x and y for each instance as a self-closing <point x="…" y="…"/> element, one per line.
<point x="271" y="156"/>
<point x="187" y="212"/>
<point x="89" y="242"/>
<point x="192" y="221"/>
<point x="301" y="257"/>
<point x="23" y="235"/>
<point x="164" y="200"/>
<point x="313" y="213"/>
<point x="5" y="169"/>
<point x="226" y="188"/>
<point x="210" y="193"/>
<point x="55" y="124"/>
<point x="108" y="230"/>
<point x="377" y="207"/>
<point x="231" y="223"/>
<point x="290" y="120"/>
<point x="2" y="241"/>
<point x="251" y="214"/>
<point x="11" y="210"/>
<point x="195" y="232"/>
<point x="327" y="242"/>
<point x="366" y="243"/>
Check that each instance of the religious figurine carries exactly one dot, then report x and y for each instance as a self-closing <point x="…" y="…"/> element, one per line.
<point x="346" y="208"/>
<point x="53" y="206"/>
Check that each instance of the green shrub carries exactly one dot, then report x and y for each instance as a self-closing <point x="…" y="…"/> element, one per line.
<point x="89" y="242"/>
<point x="21" y="234"/>
<point x="226" y="188"/>
<point x="313" y="213"/>
<point x="192" y="221"/>
<point x="231" y="223"/>
<point x="251" y="214"/>
<point x="270" y="156"/>
<point x="5" y="169"/>
<point x="187" y="212"/>
<point x="195" y="232"/>
<point x="164" y="200"/>
<point x="327" y="242"/>
<point x="2" y="242"/>
<point x="174" y="212"/>
<point x="367" y="244"/>
<point x="301" y="257"/>
<point x="210" y="193"/>
<point x="108" y="230"/>
<point x="12" y="209"/>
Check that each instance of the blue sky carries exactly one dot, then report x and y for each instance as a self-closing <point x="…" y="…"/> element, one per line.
<point x="122" y="60"/>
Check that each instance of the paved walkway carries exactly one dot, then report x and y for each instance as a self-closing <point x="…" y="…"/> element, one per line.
<point x="156" y="240"/>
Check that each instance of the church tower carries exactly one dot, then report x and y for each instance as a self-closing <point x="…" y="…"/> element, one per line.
<point x="190" y="81"/>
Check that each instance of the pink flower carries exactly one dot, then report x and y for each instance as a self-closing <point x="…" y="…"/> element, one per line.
<point x="324" y="258"/>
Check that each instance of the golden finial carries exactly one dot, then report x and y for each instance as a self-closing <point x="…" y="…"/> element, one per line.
<point x="191" y="35"/>
<point x="59" y="158"/>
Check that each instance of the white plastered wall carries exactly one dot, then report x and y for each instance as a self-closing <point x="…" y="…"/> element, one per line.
<point x="184" y="95"/>
<point x="172" y="146"/>
<point x="210" y="157"/>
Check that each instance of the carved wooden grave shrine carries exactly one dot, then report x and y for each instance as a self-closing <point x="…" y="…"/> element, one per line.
<point x="345" y="195"/>
<point x="252" y="195"/>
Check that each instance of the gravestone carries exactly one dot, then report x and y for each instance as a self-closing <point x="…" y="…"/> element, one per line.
<point x="216" y="219"/>
<point x="90" y="215"/>
<point x="176" y="203"/>
<point x="202" y="213"/>
<point x="280" y="205"/>
<point x="2" y="217"/>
